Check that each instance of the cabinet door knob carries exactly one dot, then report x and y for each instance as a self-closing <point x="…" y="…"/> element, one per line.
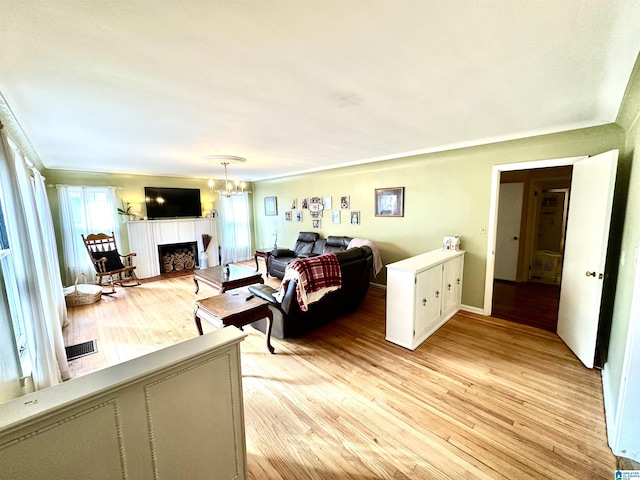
<point x="424" y="301"/>
<point x="449" y="287"/>
<point x="591" y="274"/>
<point x="437" y="293"/>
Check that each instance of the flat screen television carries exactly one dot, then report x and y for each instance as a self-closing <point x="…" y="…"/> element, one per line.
<point x="172" y="202"/>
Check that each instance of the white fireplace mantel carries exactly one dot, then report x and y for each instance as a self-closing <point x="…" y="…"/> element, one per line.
<point x="146" y="235"/>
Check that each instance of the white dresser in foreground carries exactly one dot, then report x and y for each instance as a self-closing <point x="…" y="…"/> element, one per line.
<point x="423" y="292"/>
<point x="171" y="414"/>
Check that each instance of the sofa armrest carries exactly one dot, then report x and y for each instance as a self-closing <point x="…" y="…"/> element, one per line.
<point x="264" y="292"/>
<point x="282" y="252"/>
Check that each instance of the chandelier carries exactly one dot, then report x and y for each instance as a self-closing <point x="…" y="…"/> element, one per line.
<point x="228" y="189"/>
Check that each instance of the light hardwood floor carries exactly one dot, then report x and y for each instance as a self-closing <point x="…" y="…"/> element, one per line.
<point x="482" y="398"/>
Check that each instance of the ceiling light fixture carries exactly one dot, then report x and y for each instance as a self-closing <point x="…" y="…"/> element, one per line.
<point x="228" y="189"/>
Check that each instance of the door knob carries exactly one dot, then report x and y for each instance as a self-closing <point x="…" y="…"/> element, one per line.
<point x="591" y="274"/>
<point x="424" y="302"/>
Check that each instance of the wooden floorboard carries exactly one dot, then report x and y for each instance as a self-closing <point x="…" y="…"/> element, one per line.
<point x="530" y="303"/>
<point x="482" y="398"/>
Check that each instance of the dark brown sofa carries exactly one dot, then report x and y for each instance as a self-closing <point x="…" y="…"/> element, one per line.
<point x="308" y="244"/>
<point x="290" y="321"/>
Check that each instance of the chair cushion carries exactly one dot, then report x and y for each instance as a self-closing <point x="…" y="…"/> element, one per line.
<point x="336" y="244"/>
<point x="303" y="248"/>
<point x="308" y="237"/>
<point x="305" y="242"/>
<point x="113" y="260"/>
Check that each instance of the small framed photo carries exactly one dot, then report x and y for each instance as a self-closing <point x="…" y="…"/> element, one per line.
<point x="298" y="215"/>
<point x="344" y="203"/>
<point x="304" y="203"/>
<point x="271" y="206"/>
<point x="389" y="202"/>
<point x="355" y="217"/>
<point x="294" y="204"/>
<point x="287" y="216"/>
<point x="315" y="223"/>
<point x="326" y="203"/>
<point x="335" y="216"/>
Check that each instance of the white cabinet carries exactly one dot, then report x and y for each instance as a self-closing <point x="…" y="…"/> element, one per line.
<point x="423" y="292"/>
<point x="451" y="286"/>
<point x="145" y="236"/>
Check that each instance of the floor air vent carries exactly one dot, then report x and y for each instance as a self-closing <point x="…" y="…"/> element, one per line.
<point x="81" y="349"/>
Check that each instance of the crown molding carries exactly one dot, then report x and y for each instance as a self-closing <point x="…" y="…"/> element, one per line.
<point x="9" y="121"/>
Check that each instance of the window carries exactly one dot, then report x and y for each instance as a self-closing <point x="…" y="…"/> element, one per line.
<point x="9" y="286"/>
<point x="236" y="232"/>
<point x="84" y="210"/>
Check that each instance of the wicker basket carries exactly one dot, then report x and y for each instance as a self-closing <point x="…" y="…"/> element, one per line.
<point x="82" y="294"/>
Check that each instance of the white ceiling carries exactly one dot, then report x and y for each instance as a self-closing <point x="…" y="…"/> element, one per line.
<point x="151" y="86"/>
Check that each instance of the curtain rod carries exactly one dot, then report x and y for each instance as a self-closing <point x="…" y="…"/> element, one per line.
<point x="56" y="185"/>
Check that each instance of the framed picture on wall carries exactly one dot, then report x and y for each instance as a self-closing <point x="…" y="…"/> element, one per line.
<point x="298" y="215"/>
<point x="389" y="202"/>
<point x="335" y="216"/>
<point x="355" y="217"/>
<point x="315" y="223"/>
<point x="271" y="206"/>
<point x="287" y="216"/>
<point x="344" y="202"/>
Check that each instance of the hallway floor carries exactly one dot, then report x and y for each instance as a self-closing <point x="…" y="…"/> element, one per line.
<point x="527" y="303"/>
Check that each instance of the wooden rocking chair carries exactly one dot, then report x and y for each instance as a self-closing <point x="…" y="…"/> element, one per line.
<point x="108" y="262"/>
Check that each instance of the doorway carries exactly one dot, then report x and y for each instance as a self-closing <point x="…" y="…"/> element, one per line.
<point x="530" y="230"/>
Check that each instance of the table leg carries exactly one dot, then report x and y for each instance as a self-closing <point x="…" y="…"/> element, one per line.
<point x="255" y="257"/>
<point x="198" y="321"/>
<point x="196" y="282"/>
<point x="269" y="323"/>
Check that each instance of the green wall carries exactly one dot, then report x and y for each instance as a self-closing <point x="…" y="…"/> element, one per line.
<point x="629" y="119"/>
<point x="446" y="193"/>
<point x="131" y="189"/>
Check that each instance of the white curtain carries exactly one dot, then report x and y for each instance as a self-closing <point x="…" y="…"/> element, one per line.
<point x="236" y="234"/>
<point x="32" y="245"/>
<point x="85" y="210"/>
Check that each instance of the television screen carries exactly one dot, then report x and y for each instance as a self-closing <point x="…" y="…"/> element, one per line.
<point x="172" y="202"/>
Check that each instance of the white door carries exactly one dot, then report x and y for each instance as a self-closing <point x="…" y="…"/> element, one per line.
<point x="592" y="186"/>
<point x="508" y="231"/>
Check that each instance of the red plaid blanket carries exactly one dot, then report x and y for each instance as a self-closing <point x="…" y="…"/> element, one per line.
<point x="314" y="277"/>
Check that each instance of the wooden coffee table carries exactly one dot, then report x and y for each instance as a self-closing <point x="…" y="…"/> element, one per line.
<point x="238" y="308"/>
<point x="215" y="277"/>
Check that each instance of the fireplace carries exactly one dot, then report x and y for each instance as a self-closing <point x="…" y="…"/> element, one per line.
<point x="175" y="257"/>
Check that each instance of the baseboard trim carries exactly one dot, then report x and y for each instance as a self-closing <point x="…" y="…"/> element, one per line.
<point x="470" y="309"/>
<point x="378" y="285"/>
<point x="609" y="409"/>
